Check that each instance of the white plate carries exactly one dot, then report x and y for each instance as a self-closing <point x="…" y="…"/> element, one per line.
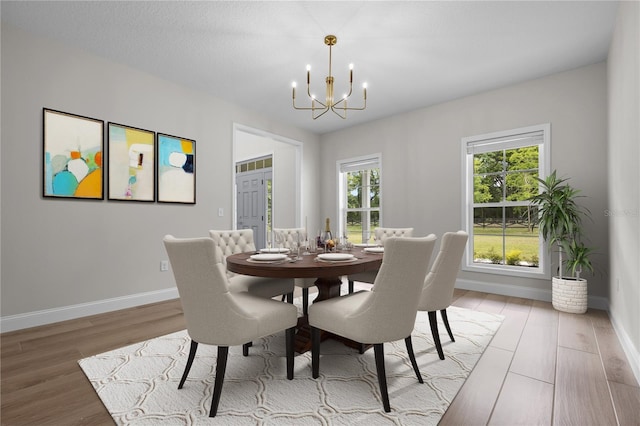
<point x="363" y="245"/>
<point x="274" y="250"/>
<point x="374" y="249"/>
<point x="268" y="257"/>
<point x="335" y="256"/>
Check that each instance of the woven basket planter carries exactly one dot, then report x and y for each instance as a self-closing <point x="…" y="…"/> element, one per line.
<point x="569" y="295"/>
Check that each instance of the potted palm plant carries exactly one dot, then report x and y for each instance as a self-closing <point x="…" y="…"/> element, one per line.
<point x="560" y="222"/>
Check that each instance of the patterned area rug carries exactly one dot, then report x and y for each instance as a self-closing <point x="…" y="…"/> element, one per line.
<point x="138" y="384"/>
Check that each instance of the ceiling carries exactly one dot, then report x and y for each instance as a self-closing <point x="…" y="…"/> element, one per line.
<point x="411" y="54"/>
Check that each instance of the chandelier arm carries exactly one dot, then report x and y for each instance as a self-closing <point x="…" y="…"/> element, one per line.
<point x="321" y="114"/>
<point x="335" y="111"/>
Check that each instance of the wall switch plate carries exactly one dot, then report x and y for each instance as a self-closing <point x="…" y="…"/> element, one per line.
<point x="220" y="212"/>
<point x="164" y="265"/>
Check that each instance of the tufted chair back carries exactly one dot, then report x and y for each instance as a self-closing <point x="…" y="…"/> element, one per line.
<point x="235" y="241"/>
<point x="290" y="235"/>
<point x="383" y="233"/>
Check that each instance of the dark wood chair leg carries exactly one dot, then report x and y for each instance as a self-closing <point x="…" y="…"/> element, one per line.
<point x="192" y="355"/>
<point x="412" y="357"/>
<point x="290" y="335"/>
<point x="315" y="352"/>
<point x="221" y="367"/>
<point x="433" y="321"/>
<point x="382" y="375"/>
<point x="350" y="286"/>
<point x="290" y="297"/>
<point x="245" y="348"/>
<point x="443" y="313"/>
<point x="284" y="297"/>
<point x="305" y="301"/>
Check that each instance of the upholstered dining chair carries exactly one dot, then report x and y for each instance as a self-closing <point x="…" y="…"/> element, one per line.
<point x="437" y="292"/>
<point x="381" y="235"/>
<point x="385" y="314"/>
<point x="217" y="316"/>
<point x="289" y="238"/>
<point x="241" y="241"/>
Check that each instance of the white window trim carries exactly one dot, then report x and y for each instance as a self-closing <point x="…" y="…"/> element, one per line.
<point x="340" y="179"/>
<point x="544" y="161"/>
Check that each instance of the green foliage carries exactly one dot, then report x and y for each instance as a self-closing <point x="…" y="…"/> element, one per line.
<point x="493" y="256"/>
<point x="560" y="221"/>
<point x="578" y="257"/>
<point x="361" y="192"/>
<point x="513" y="257"/>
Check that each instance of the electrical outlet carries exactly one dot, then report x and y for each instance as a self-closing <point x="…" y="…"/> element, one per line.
<point x="220" y="212"/>
<point x="164" y="265"/>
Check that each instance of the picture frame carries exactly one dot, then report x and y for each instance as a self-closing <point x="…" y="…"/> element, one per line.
<point x="131" y="165"/>
<point x="176" y="169"/>
<point x="72" y="148"/>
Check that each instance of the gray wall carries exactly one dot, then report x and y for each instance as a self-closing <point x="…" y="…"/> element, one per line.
<point x="59" y="253"/>
<point x="623" y="209"/>
<point x="422" y="160"/>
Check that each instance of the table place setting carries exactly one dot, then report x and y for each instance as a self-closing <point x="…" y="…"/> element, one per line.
<point x="268" y="257"/>
<point x="335" y="257"/>
<point x="375" y="249"/>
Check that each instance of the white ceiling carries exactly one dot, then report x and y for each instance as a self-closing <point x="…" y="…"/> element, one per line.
<point x="411" y="54"/>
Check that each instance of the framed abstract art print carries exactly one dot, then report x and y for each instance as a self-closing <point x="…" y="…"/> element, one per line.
<point x="131" y="163"/>
<point x="176" y="169"/>
<point x="72" y="155"/>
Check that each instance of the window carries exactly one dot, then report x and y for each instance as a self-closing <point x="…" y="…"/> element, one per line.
<point x="500" y="171"/>
<point x="359" y="203"/>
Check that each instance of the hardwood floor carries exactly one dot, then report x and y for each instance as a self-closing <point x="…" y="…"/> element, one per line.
<point x="542" y="367"/>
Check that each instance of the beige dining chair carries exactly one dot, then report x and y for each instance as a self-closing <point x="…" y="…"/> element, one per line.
<point x="381" y="235"/>
<point x="289" y="238"/>
<point x="385" y="314"/>
<point x="241" y="241"/>
<point x="217" y="316"/>
<point x="437" y="292"/>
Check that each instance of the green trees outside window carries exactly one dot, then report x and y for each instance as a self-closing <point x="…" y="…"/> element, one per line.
<point x="504" y="229"/>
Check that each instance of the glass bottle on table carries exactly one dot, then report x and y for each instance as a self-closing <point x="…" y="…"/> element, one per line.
<point x="327" y="237"/>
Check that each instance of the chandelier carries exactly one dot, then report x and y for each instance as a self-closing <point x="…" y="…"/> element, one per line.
<point x="319" y="108"/>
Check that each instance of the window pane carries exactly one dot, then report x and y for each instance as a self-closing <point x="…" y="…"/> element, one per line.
<point x="488" y="162"/>
<point x="522" y="158"/>
<point x="354" y="190"/>
<point x="487" y="188"/>
<point x="521" y="186"/>
<point x="487" y="235"/>
<point x="521" y="238"/>
<point x="374" y="187"/>
<point x="357" y="229"/>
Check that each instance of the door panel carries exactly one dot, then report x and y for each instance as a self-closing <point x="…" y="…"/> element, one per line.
<point x="250" y="207"/>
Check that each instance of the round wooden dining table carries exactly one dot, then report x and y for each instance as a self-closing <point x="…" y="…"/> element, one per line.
<point x="327" y="273"/>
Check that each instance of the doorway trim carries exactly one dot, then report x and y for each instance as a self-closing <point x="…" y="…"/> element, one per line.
<point x="298" y="168"/>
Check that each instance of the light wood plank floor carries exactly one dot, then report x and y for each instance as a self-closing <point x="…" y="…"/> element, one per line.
<point x="543" y="367"/>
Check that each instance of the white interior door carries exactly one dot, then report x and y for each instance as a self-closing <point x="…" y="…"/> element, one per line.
<point x="251" y="204"/>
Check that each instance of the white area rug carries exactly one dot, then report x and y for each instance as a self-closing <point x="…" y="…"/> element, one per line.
<point x="139" y="383"/>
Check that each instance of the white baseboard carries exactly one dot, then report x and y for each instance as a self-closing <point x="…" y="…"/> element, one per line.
<point x="49" y="316"/>
<point x="633" y="356"/>
<point x="595" y="302"/>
